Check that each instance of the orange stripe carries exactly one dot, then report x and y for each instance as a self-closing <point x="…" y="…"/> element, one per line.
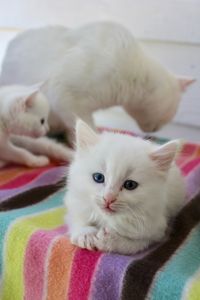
<point x="59" y="269"/>
<point x="9" y="174"/>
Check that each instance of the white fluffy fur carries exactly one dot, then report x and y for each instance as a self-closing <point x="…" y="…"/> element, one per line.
<point x="21" y="110"/>
<point x="140" y="216"/>
<point x="93" y="67"/>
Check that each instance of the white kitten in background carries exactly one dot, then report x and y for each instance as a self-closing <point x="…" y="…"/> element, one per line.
<point x="24" y="111"/>
<point x="93" y="67"/>
<point x="121" y="191"/>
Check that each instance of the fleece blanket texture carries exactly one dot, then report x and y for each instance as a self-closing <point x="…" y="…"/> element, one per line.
<point x="38" y="262"/>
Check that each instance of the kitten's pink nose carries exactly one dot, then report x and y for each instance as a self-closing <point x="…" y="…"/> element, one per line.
<point x="109" y="198"/>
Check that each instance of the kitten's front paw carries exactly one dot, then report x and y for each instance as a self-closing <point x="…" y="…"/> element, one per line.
<point x="103" y="233"/>
<point x="38" y="162"/>
<point x="103" y="238"/>
<point x="86" y="238"/>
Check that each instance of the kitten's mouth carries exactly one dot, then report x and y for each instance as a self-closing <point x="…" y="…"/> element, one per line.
<point x="109" y="209"/>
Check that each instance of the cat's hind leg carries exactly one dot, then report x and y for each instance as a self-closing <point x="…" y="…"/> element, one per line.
<point x="11" y="153"/>
<point x="44" y="146"/>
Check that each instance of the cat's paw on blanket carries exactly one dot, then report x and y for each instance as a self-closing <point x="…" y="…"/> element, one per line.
<point x="86" y="238"/>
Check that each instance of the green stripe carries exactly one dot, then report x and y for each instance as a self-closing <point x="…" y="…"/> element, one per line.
<point x="15" y="248"/>
<point x="8" y="217"/>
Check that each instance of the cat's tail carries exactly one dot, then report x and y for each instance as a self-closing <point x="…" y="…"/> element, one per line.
<point x="44" y="146"/>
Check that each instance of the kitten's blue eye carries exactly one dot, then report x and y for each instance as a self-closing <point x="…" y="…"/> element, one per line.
<point x="130" y="185"/>
<point x="98" y="177"/>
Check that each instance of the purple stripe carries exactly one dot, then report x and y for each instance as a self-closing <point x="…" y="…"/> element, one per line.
<point x="50" y="176"/>
<point x="193" y="183"/>
<point x="107" y="282"/>
<point x="109" y="274"/>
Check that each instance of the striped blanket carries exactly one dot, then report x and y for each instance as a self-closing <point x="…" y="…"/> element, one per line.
<point x="38" y="262"/>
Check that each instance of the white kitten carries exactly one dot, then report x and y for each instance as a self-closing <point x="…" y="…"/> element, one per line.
<point x="24" y="111"/>
<point x="93" y="67"/>
<point x="121" y="191"/>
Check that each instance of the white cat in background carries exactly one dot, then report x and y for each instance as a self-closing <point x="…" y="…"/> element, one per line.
<point x="24" y="111"/>
<point x="121" y="191"/>
<point x="96" y="66"/>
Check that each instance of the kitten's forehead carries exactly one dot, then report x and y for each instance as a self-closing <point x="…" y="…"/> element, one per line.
<point x="121" y="155"/>
<point x="41" y="105"/>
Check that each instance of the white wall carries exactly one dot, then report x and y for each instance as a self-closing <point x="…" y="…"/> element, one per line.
<point x="174" y="20"/>
<point x="170" y="30"/>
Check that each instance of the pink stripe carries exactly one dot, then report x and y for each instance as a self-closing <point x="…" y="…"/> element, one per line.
<point x="83" y="269"/>
<point x="190" y="166"/>
<point x="102" y="129"/>
<point x="189" y="149"/>
<point x="50" y="176"/>
<point x="24" y="178"/>
<point x="188" y="154"/>
<point x="35" y="260"/>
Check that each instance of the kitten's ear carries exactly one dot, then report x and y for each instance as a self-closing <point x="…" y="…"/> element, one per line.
<point x="185" y="82"/>
<point x="85" y="136"/>
<point x="29" y="98"/>
<point x="164" y="155"/>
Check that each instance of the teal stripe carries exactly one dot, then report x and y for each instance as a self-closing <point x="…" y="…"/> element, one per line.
<point x="6" y="218"/>
<point x="170" y="281"/>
